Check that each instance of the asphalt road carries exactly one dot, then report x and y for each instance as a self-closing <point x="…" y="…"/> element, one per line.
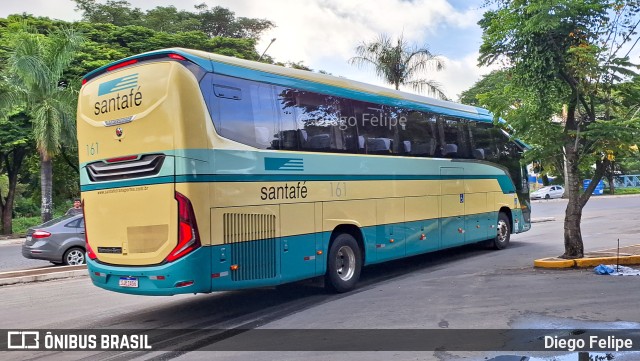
<point x="11" y="259"/>
<point x="469" y="287"/>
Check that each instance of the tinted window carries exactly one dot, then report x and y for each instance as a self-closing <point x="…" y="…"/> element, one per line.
<point x="313" y="122"/>
<point x="242" y="110"/>
<point x="448" y="137"/>
<point x="372" y="124"/>
<point x="73" y="224"/>
<point x="273" y="117"/>
<point x="419" y="135"/>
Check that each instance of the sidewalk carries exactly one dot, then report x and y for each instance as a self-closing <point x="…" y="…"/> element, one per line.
<point x="42" y="274"/>
<point x="628" y="255"/>
<point x="11" y="241"/>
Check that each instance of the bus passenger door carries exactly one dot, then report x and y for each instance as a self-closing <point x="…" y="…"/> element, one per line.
<point x="452" y="206"/>
<point x="390" y="232"/>
<point x="297" y="241"/>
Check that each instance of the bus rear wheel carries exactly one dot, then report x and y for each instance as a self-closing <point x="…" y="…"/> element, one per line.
<point x="503" y="233"/>
<point x="344" y="264"/>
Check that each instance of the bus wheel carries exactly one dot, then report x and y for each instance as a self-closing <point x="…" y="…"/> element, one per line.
<point x="344" y="264"/>
<point x="501" y="241"/>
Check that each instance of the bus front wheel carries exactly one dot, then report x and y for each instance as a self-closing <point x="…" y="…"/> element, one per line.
<point x="503" y="234"/>
<point x="344" y="264"/>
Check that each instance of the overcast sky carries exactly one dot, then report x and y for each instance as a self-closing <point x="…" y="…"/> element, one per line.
<point x="323" y="33"/>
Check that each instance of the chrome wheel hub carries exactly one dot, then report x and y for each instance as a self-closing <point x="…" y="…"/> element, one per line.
<point x="503" y="231"/>
<point x="345" y="263"/>
<point x="75" y="257"/>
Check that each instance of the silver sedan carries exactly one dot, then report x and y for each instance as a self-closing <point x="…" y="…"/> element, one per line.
<point x="60" y="241"/>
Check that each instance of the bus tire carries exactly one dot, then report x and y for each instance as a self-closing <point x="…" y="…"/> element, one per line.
<point x="343" y="264"/>
<point x="503" y="233"/>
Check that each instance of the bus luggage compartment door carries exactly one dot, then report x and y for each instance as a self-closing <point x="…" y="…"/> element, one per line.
<point x="452" y="206"/>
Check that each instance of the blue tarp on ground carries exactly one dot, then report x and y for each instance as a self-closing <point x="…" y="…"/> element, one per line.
<point x="616" y="270"/>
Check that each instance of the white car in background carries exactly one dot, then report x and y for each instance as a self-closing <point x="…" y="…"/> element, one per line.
<point x="548" y="192"/>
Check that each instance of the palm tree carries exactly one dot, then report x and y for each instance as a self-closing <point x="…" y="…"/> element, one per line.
<point x="398" y="63"/>
<point x="35" y="66"/>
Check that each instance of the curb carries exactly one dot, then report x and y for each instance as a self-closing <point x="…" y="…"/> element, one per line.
<point x="543" y="219"/>
<point x="16" y="277"/>
<point x="11" y="241"/>
<point x="553" y="262"/>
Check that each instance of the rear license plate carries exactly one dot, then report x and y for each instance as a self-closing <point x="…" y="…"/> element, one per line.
<point x="131" y="282"/>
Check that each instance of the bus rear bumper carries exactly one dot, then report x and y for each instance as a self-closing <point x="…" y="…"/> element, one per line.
<point x="190" y="274"/>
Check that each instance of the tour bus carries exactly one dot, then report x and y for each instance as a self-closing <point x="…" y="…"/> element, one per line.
<point x="201" y="172"/>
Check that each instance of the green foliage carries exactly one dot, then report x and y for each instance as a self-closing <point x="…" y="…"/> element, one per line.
<point x="116" y="12"/>
<point x="399" y="63"/>
<point x="213" y="22"/>
<point x="559" y="56"/>
<point x="623" y="191"/>
<point x="38" y="54"/>
<point x="564" y="62"/>
<point x="21" y="224"/>
<point x="488" y="83"/>
<point x="26" y="207"/>
<point x="35" y="65"/>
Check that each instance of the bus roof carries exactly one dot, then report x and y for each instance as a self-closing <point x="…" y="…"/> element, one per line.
<point x="317" y="82"/>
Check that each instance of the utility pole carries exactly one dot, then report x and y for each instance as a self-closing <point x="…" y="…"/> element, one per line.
<point x="265" y="50"/>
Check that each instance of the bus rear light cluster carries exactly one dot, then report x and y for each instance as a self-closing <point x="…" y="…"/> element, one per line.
<point x="188" y="236"/>
<point x="126" y="63"/>
<point x="122" y="64"/>
<point x="122" y="159"/>
<point x="90" y="253"/>
<point x="177" y="57"/>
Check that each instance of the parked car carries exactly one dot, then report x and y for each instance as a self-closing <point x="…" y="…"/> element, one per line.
<point x="60" y="241"/>
<point x="548" y="192"/>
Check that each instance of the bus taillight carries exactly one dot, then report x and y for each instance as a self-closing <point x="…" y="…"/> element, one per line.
<point x="177" y="57"/>
<point x="188" y="236"/>
<point x="90" y="253"/>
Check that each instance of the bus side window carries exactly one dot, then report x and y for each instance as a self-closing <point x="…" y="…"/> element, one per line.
<point x="377" y="128"/>
<point x="449" y="147"/>
<point x="319" y="123"/>
<point x="242" y="110"/>
<point x="417" y="134"/>
<point x="289" y="137"/>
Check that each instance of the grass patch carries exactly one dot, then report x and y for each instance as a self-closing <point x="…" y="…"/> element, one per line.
<point x="623" y="191"/>
<point x="21" y="224"/>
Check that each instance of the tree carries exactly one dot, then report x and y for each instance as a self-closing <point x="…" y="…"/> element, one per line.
<point x="564" y="61"/>
<point x="494" y="80"/>
<point x="36" y="64"/>
<point x="16" y="142"/>
<point x="116" y="12"/>
<point x="219" y="21"/>
<point x="215" y="21"/>
<point x="398" y="63"/>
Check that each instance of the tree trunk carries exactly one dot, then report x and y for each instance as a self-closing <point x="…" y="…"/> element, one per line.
<point x="612" y="185"/>
<point x="573" y="246"/>
<point x="13" y="164"/>
<point x="7" y="211"/>
<point x="46" y="187"/>
<point x="545" y="180"/>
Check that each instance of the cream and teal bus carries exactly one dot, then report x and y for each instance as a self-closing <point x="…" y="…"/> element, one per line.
<point x="201" y="172"/>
